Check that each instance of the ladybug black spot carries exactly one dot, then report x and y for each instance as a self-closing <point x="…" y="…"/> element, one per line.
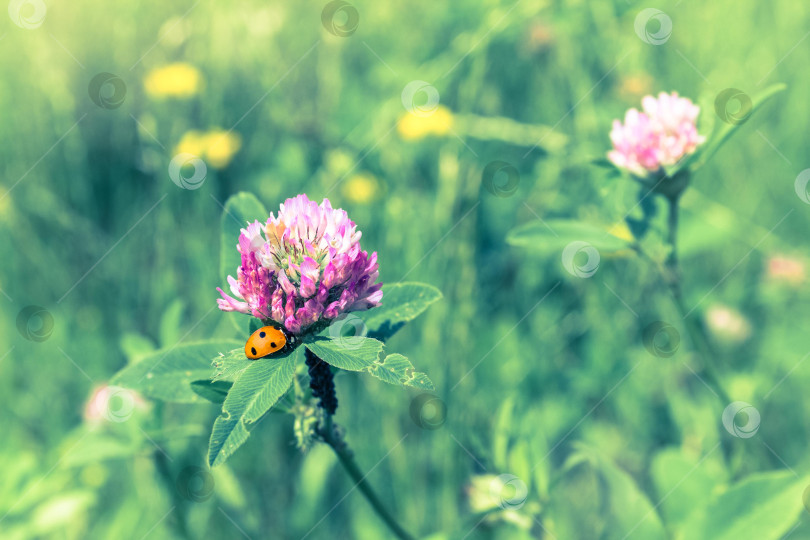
<point x="253" y="350"/>
<point x="273" y="344"/>
<point x="262" y="334"/>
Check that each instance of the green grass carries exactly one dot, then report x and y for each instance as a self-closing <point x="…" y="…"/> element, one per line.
<point x="562" y="392"/>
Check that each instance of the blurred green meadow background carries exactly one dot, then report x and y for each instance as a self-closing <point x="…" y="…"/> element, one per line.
<point x="539" y="374"/>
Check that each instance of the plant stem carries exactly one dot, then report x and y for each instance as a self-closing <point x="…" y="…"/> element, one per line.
<point x="346" y="459"/>
<point x="323" y="386"/>
<point x="697" y="333"/>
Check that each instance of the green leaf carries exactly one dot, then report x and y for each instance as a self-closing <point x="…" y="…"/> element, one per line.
<point x="723" y="131"/>
<point x="240" y="209"/>
<point x="683" y="483"/>
<point x="166" y="374"/>
<point x="555" y="235"/>
<point x="257" y="389"/>
<point x="363" y="354"/>
<point x="762" y="506"/>
<point x="402" y="302"/>
<point x="353" y="354"/>
<point x="228" y="366"/>
<point x="397" y="369"/>
<point x="213" y="391"/>
<point x="632" y="515"/>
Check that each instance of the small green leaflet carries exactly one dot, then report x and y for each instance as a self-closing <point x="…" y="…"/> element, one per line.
<point x="213" y="391"/>
<point x="228" y="366"/>
<point x="402" y="302"/>
<point x="256" y="390"/>
<point x="365" y="354"/>
<point x="167" y="374"/>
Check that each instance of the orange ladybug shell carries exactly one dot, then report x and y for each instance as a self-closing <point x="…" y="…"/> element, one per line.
<point x="265" y="341"/>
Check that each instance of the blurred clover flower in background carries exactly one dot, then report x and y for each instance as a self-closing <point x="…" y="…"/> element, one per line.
<point x="303" y="267"/>
<point x="786" y="269"/>
<point x="112" y="404"/>
<point x="660" y="135"/>
<point x="727" y="324"/>
<point x="178" y="80"/>
<point x="413" y="127"/>
<point x="217" y="147"/>
<point x="361" y="188"/>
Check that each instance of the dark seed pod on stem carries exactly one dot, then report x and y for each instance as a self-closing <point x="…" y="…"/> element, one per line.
<point x="321" y="381"/>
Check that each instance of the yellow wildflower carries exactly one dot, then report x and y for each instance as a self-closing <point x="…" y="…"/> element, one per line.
<point x="361" y="188"/>
<point x="216" y="147"/>
<point x="221" y="147"/>
<point x="179" y="80"/>
<point x="412" y="126"/>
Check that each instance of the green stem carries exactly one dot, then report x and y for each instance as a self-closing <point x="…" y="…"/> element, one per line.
<point x="697" y="334"/>
<point x="346" y="459"/>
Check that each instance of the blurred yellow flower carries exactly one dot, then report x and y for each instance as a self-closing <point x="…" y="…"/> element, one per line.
<point x="222" y="145"/>
<point x="216" y="147"/>
<point x="361" y="188"/>
<point x="635" y="86"/>
<point x="412" y="126"/>
<point x="179" y="80"/>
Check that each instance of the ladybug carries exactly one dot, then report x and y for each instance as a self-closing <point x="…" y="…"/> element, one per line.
<point x="267" y="341"/>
